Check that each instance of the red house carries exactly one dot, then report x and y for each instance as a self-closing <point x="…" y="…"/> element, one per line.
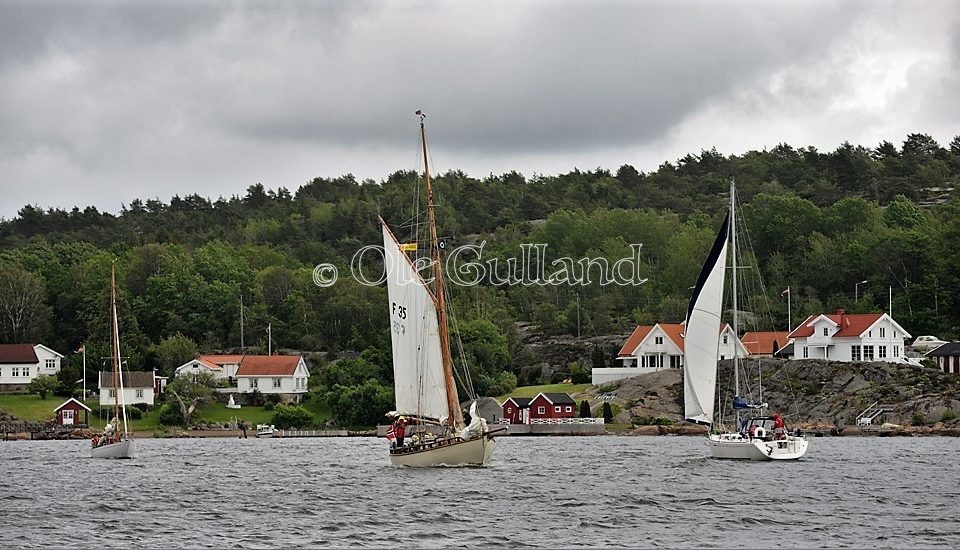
<point x="552" y="405"/>
<point x="68" y="413"/>
<point x="517" y="410"/>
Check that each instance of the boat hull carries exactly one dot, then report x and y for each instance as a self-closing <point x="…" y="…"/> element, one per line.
<point x="122" y="449"/>
<point x="735" y="447"/>
<point x="472" y="452"/>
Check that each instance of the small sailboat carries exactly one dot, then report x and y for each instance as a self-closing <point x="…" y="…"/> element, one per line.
<point x="427" y="403"/>
<point x="112" y="443"/>
<point x="760" y="437"/>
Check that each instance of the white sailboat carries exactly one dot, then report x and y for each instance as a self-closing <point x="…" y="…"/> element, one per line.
<point x="427" y="403"/>
<point x="757" y="438"/>
<point x="112" y="443"/>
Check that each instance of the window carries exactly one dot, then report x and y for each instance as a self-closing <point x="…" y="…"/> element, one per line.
<point x="675" y="362"/>
<point x="882" y="332"/>
<point x="254" y="383"/>
<point x="51" y="364"/>
<point x="112" y="393"/>
<point x="509" y="410"/>
<point x="854" y="353"/>
<point x="541" y="410"/>
<point x="276" y="382"/>
<point x="725" y="338"/>
<point x="896" y="351"/>
<point x="558" y="408"/>
<point x="894" y="334"/>
<point x="868" y="353"/>
<point x="26" y="371"/>
<point x="882" y="352"/>
<point x="869" y="334"/>
<point x="15" y="372"/>
<point x="806" y="353"/>
<point x="139" y="393"/>
<point x="68" y="415"/>
<point x="658" y="340"/>
<point x="826" y="331"/>
<point x="569" y="408"/>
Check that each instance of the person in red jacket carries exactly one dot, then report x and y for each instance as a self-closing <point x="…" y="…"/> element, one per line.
<point x="399" y="431"/>
<point x="779" y="429"/>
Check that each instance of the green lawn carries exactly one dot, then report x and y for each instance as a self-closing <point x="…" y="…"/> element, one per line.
<point x="31" y="407"/>
<point x="532" y="391"/>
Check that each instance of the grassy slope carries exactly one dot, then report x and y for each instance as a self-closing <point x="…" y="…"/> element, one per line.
<point x="31" y="407"/>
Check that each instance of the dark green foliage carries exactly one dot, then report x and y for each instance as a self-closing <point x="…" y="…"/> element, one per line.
<point x="170" y="415"/>
<point x="580" y="375"/>
<point x="607" y="413"/>
<point x="585" y="411"/>
<point x="43" y="384"/>
<point x="363" y="405"/>
<point x="292" y="416"/>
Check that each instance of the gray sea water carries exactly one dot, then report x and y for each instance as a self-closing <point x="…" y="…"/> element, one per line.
<point x="603" y="491"/>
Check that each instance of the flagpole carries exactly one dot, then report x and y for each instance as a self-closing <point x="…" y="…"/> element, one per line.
<point x="269" y="341"/>
<point x="84" y="349"/>
<point x="789" y="313"/>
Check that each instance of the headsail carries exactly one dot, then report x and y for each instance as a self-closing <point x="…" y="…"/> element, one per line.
<point x="415" y="335"/>
<point x="702" y="333"/>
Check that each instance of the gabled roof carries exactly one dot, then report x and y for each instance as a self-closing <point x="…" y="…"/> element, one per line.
<point x="65" y="403"/>
<point x="222" y="359"/>
<point x="520" y="402"/>
<point x="22" y="354"/>
<point x="131" y="379"/>
<point x="852" y="325"/>
<point x="53" y="351"/>
<point x="949" y="349"/>
<point x="268" y="365"/>
<point x="557" y="398"/>
<point x="674" y="332"/>
<point x="762" y="343"/>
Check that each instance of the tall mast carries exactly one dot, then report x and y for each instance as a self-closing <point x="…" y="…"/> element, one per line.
<point x="115" y="342"/>
<point x="733" y="263"/>
<point x="453" y="404"/>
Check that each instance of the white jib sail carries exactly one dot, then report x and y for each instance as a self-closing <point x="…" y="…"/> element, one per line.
<point x="702" y="334"/>
<point x="415" y="335"/>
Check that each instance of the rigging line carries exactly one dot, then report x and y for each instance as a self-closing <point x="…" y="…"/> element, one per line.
<point x="750" y="250"/>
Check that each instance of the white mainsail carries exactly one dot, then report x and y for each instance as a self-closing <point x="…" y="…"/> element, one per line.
<point x="702" y="334"/>
<point x="415" y="335"/>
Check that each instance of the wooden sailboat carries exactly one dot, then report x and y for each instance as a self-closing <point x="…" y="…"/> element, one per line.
<point x="427" y="403"/>
<point x="112" y="443"/>
<point x="757" y="438"/>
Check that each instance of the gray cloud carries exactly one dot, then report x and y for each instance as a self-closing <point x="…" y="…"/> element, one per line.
<point x="107" y="102"/>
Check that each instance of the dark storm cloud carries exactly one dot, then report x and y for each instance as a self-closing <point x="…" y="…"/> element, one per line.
<point x="104" y="102"/>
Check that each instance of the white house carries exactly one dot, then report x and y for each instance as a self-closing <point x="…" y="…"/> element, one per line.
<point x="651" y="348"/>
<point x="843" y="336"/>
<point x="21" y="363"/>
<point x="138" y="388"/>
<point x="273" y="374"/>
<point x="220" y="366"/>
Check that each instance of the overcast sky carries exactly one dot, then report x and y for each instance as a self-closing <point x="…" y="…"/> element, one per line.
<point x="105" y="102"/>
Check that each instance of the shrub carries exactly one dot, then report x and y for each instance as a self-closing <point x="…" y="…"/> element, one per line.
<point x="292" y="416"/>
<point x="585" y="411"/>
<point x="170" y="415"/>
<point x="948" y="415"/>
<point x="133" y="413"/>
<point x="607" y="413"/>
<point x="919" y="419"/>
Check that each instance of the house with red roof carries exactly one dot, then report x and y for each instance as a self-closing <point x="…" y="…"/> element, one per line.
<point x="765" y="344"/>
<point x="947" y="357"/>
<point x="551" y="406"/>
<point x="653" y="347"/>
<point x="284" y="375"/>
<point x="69" y="413"/>
<point x="21" y="363"/>
<point x="843" y="336"/>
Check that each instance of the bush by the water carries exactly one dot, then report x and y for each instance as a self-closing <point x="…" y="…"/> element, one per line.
<point x="292" y="416"/>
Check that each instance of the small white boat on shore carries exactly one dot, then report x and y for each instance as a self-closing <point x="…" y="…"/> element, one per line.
<point x="265" y="430"/>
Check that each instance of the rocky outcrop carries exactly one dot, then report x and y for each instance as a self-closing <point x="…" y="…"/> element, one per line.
<point x="813" y="395"/>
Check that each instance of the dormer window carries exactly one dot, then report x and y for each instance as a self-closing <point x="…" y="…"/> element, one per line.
<point x="826" y="331"/>
<point x="658" y="340"/>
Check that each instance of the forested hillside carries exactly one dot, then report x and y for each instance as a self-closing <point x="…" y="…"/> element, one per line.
<point x="819" y="222"/>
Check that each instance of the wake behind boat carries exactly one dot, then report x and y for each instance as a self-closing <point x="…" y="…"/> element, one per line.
<point x="427" y="402"/>
<point x="112" y="443"/>
<point x="757" y="438"/>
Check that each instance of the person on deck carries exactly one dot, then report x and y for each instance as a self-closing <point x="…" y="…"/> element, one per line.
<point x="779" y="429"/>
<point x="399" y="431"/>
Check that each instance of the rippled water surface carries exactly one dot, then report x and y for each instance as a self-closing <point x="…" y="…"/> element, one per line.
<point x="553" y="492"/>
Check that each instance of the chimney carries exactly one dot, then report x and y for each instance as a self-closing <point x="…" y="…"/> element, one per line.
<point x="841" y="311"/>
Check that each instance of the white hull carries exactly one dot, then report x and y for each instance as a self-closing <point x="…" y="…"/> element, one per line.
<point x="733" y="446"/>
<point x="123" y="449"/>
<point x="472" y="452"/>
